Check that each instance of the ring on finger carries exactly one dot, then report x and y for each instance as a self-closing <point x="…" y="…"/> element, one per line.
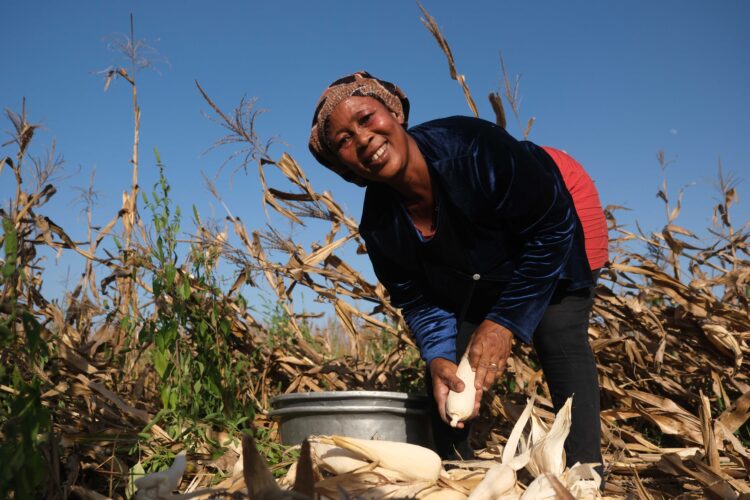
<point x="493" y="365"/>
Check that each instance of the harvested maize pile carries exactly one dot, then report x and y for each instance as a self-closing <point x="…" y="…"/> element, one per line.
<point x="379" y="469"/>
<point x="371" y="469"/>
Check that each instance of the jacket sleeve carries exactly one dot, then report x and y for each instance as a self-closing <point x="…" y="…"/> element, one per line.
<point x="529" y="199"/>
<point x="433" y="328"/>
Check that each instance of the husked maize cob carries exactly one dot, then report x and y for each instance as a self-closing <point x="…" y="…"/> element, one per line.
<point x="460" y="405"/>
<point x="412" y="461"/>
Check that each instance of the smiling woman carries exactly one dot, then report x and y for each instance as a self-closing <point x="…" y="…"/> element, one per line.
<point x="369" y="139"/>
<point x="478" y="240"/>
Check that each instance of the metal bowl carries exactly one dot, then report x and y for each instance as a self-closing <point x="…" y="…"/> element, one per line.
<point x="390" y="416"/>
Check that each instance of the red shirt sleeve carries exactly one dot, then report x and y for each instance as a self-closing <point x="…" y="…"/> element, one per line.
<point x="587" y="204"/>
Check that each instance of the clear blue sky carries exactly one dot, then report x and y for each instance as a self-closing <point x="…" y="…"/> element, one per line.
<point x="610" y="82"/>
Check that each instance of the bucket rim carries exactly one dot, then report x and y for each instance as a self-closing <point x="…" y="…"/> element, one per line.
<point x="343" y="395"/>
<point x="306" y="411"/>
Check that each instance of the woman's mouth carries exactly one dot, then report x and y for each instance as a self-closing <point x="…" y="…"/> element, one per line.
<point x="378" y="154"/>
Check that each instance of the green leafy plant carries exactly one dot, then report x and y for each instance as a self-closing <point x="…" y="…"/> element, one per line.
<point x="190" y="332"/>
<point x="278" y="456"/>
<point x="24" y="422"/>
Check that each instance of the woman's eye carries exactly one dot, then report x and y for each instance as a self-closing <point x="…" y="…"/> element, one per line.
<point x="365" y="119"/>
<point x="343" y="141"/>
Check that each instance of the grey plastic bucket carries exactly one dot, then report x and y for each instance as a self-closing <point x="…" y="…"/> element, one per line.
<point x="390" y="416"/>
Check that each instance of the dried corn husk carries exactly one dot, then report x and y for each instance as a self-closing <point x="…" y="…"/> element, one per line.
<point x="368" y="485"/>
<point x="515" y="441"/>
<point x="546" y="458"/>
<point x="580" y="481"/>
<point x="500" y="479"/>
<point x="540" y="489"/>
<point x="438" y="493"/>
<point x="547" y="452"/>
<point x="413" y="490"/>
<point x="583" y="481"/>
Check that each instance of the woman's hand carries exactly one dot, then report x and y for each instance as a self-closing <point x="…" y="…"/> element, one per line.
<point x="444" y="379"/>
<point x="488" y="350"/>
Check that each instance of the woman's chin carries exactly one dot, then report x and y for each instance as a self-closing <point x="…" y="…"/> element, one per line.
<point x="375" y="172"/>
<point x="383" y="172"/>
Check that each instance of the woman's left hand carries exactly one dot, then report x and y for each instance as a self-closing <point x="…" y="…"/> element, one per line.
<point x="488" y="350"/>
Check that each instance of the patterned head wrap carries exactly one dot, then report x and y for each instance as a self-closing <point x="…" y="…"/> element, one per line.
<point x="358" y="84"/>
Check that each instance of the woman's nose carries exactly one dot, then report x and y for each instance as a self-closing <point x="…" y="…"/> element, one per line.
<point x="362" y="136"/>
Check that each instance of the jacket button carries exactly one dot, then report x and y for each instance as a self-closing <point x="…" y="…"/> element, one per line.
<point x="476" y="277"/>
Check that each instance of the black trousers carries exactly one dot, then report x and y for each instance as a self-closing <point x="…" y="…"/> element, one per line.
<point x="562" y="346"/>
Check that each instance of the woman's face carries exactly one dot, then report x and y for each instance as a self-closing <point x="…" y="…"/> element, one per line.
<point x="368" y="138"/>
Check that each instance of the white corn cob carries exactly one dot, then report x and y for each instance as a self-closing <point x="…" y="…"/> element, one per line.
<point x="335" y="459"/>
<point x="460" y="405"/>
<point x="412" y="461"/>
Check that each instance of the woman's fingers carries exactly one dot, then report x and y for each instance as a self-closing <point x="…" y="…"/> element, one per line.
<point x="450" y="379"/>
<point x="495" y="369"/>
<point x="444" y="379"/>
<point x="479" y="352"/>
<point x="488" y="352"/>
<point x="480" y="372"/>
<point x="482" y="355"/>
<point x="486" y="373"/>
<point x="477" y="403"/>
<point x="491" y="375"/>
<point x="440" y="392"/>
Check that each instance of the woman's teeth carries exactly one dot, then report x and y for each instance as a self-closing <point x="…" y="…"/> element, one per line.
<point x="378" y="153"/>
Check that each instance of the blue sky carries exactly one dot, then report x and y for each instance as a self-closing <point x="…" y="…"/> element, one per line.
<point x="610" y="82"/>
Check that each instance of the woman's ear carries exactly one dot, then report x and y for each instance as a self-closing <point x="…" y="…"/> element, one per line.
<point x="398" y="118"/>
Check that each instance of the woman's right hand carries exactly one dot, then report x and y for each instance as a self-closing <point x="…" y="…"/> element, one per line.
<point x="444" y="379"/>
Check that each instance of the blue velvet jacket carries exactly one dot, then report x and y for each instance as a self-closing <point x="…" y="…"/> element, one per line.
<point x="506" y="233"/>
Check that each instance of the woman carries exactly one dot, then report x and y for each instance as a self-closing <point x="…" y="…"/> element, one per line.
<point x="476" y="238"/>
